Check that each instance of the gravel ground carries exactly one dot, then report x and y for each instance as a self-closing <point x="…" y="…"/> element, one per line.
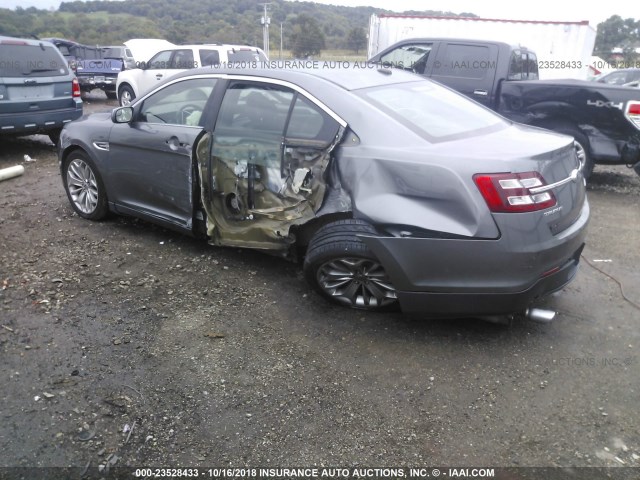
<point x="127" y="345"/>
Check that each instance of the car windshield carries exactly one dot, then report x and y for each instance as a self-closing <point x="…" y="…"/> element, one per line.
<point x="407" y="56"/>
<point x="433" y="112"/>
<point x="31" y="60"/>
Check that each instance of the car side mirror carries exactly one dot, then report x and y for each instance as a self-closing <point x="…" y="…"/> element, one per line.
<point x="122" y="115"/>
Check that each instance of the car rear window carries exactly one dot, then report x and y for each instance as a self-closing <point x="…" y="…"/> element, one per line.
<point x="18" y="60"/>
<point x="434" y="112"/>
<point x="112" y="52"/>
<point x="248" y="55"/>
<point x="209" y="58"/>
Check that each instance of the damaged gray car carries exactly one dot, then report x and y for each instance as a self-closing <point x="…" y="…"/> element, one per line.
<point x="391" y="189"/>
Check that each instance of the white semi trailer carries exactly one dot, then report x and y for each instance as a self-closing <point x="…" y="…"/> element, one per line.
<point x="563" y="49"/>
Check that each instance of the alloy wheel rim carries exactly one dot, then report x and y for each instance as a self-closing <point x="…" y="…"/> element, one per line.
<point x="358" y="282"/>
<point x="125" y="98"/>
<point x="83" y="187"/>
<point x="580" y="152"/>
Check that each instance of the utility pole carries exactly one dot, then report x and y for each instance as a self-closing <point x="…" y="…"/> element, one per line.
<point x="265" y="20"/>
<point x="280" y="40"/>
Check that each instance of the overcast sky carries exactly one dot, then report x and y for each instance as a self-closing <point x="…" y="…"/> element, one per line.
<point x="555" y="10"/>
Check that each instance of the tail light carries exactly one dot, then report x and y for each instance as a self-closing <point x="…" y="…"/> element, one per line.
<point x="75" y="88"/>
<point x="511" y="192"/>
<point x="633" y="113"/>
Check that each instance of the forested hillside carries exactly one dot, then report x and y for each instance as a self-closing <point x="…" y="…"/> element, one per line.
<point x="183" y="21"/>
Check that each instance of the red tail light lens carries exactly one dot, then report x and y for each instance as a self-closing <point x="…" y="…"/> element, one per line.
<point x="510" y="192"/>
<point x="633" y="113"/>
<point x="75" y="88"/>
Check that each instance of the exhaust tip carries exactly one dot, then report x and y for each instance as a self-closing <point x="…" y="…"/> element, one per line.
<point x="540" y="315"/>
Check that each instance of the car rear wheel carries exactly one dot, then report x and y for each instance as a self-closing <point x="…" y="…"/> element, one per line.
<point x="340" y="266"/>
<point x="84" y="186"/>
<point x="126" y="95"/>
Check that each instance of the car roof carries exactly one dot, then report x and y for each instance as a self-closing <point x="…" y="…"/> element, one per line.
<point x="623" y="70"/>
<point x="219" y="45"/>
<point x="457" y="40"/>
<point x="355" y="76"/>
<point x="28" y="41"/>
<point x="62" y="41"/>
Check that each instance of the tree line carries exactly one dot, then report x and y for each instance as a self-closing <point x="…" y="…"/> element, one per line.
<point x="618" y="33"/>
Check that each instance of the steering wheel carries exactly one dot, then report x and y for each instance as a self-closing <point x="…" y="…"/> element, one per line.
<point x="186" y="110"/>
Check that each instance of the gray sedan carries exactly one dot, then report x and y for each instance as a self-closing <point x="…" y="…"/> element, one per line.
<point x="391" y="189"/>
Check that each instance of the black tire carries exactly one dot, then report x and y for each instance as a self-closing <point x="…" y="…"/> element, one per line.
<point x="111" y="95"/>
<point x="342" y="269"/>
<point x="54" y="136"/>
<point x="84" y="186"/>
<point x="582" y="148"/>
<point x="125" y="95"/>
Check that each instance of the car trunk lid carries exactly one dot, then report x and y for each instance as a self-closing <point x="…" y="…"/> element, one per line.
<point x="548" y="182"/>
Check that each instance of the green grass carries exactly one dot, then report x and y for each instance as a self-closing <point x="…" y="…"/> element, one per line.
<point x="336" y="55"/>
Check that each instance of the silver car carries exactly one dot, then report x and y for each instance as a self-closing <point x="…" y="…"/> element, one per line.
<point x="392" y="189"/>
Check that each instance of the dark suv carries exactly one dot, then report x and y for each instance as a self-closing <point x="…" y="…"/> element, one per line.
<point x="38" y="91"/>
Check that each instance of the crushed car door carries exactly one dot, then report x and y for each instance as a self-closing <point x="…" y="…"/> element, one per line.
<point x="151" y="170"/>
<point x="263" y="166"/>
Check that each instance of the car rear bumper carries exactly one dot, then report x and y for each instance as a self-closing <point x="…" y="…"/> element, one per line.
<point x="439" y="305"/>
<point x="89" y="82"/>
<point x="27" y="123"/>
<point x="459" y="277"/>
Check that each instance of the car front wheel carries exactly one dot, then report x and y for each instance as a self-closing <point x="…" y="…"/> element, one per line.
<point x="340" y="266"/>
<point x="84" y="186"/>
<point x="126" y="95"/>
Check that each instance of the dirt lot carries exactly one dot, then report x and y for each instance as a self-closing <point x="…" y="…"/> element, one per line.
<point x="127" y="345"/>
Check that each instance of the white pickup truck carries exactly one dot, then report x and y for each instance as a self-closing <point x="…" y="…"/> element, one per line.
<point x="133" y="83"/>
